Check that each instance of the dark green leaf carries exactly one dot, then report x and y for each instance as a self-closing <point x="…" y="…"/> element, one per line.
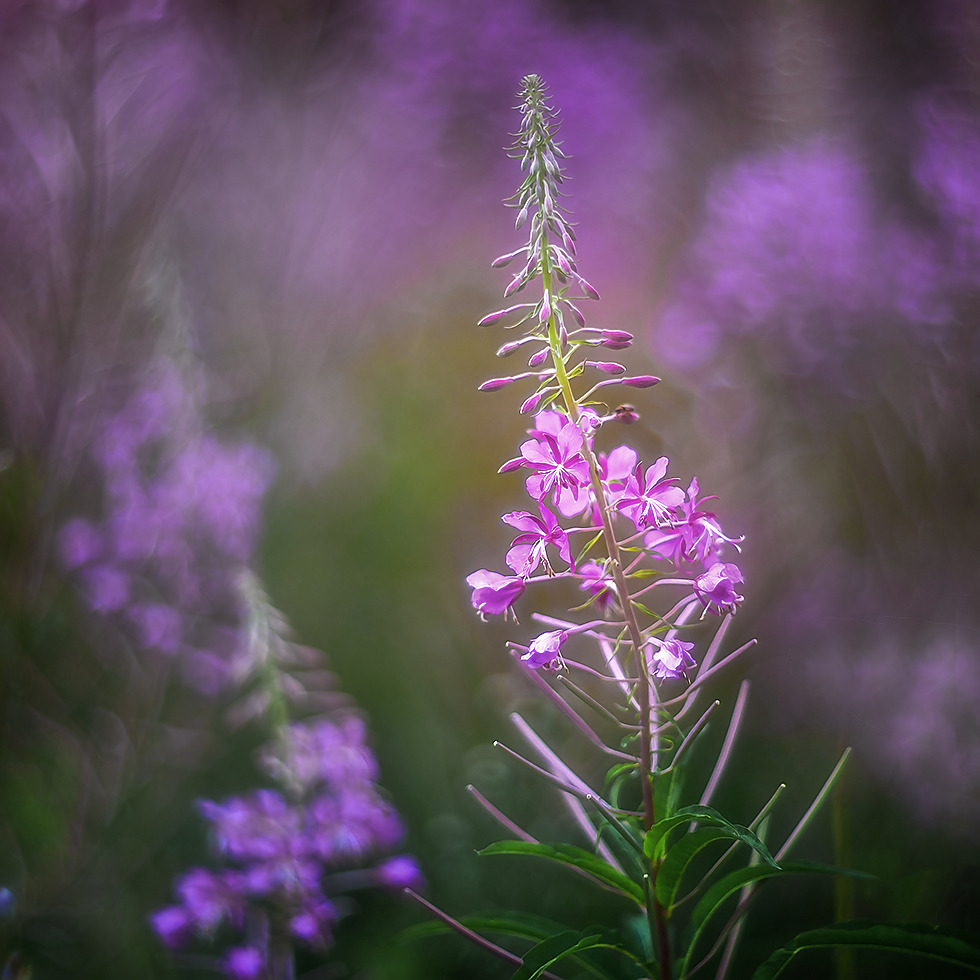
<point x="680" y="856"/>
<point x="704" y="815"/>
<point x="920" y="940"/>
<point x="575" y="857"/>
<point x="550" y="951"/>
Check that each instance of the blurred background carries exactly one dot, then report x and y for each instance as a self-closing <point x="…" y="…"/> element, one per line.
<point x="244" y="246"/>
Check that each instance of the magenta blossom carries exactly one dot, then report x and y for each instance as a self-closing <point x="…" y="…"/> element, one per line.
<point x="694" y="537"/>
<point x="529" y="548"/>
<point x="243" y="963"/>
<point x="493" y="593"/>
<point x="671" y="659"/>
<point x="545" y="650"/>
<point x="556" y="458"/>
<point x="716" y="587"/>
<point x="400" y="872"/>
<point x="648" y="498"/>
<point x="597" y="583"/>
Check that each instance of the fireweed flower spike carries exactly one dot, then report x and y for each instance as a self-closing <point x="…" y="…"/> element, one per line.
<point x="633" y="519"/>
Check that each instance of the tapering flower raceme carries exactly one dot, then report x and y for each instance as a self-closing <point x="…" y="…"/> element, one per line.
<point x="716" y="587"/>
<point x="529" y="548"/>
<point x="282" y="850"/>
<point x="494" y="593"/>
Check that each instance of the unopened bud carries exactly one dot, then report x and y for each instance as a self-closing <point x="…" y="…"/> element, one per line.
<point x="502" y="260"/>
<point x="507" y="349"/>
<point x="515" y="284"/>
<point x="563" y="262"/>
<point x="544" y="314"/>
<point x="521" y="218"/>
<point x="642" y="381"/>
<point x="576" y="312"/>
<point x="532" y="403"/>
<point x="609" y="367"/>
<point x="588" y="288"/>
<point x="537" y="359"/>
<point x="567" y="240"/>
<point x="495" y="384"/>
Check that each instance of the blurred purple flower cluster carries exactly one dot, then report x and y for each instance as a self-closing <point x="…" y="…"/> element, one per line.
<point x="290" y="854"/>
<point x="182" y="516"/>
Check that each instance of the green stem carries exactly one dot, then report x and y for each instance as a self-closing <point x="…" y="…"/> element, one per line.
<point x="622" y="590"/>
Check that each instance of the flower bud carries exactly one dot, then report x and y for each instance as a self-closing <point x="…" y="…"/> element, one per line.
<point x="495" y="384"/>
<point x="568" y="243"/>
<point x="538" y="358"/>
<point x="609" y="367"/>
<point x="502" y="260"/>
<point x="642" y="381"/>
<point x="616" y="339"/>
<point x="507" y="349"/>
<point x="532" y="403"/>
<point x="544" y="314"/>
<point x="492" y="318"/>
<point x="521" y="218"/>
<point x="515" y="284"/>
<point x="576" y="312"/>
<point x="588" y="288"/>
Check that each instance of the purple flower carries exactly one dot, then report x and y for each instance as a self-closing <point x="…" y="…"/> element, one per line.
<point x="159" y="626"/>
<point x="597" y="583"/>
<point x="78" y="544"/>
<point x="106" y="588"/>
<point x="400" y="872"/>
<point x="211" y="898"/>
<point x="670" y="659"/>
<point x="243" y="963"/>
<point x="313" y="922"/>
<point x="529" y="548"/>
<point x="694" y="536"/>
<point x="259" y="826"/>
<point x="545" y="650"/>
<point x="173" y="925"/>
<point x="557" y="460"/>
<point x="648" y="498"/>
<point x="716" y="587"/>
<point x="492" y="592"/>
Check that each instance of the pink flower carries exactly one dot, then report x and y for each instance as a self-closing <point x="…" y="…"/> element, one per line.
<point x="694" y="537"/>
<point x="671" y="659"/>
<point x="716" y="587"/>
<point x="545" y="650"/>
<point x="492" y="592"/>
<point x="649" y="498"/>
<point x="556" y="458"/>
<point x="596" y="582"/>
<point x="529" y="548"/>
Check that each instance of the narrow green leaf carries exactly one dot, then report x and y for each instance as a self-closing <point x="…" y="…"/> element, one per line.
<point x="573" y="944"/>
<point x="587" y="548"/>
<point x="704" y="815"/>
<point x="644" y="573"/>
<point x="715" y="896"/>
<point x="680" y="856"/>
<point x="574" y="857"/>
<point x="538" y="958"/>
<point x="934" y="942"/>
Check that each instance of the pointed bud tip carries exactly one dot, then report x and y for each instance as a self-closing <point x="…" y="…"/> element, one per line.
<point x="495" y="384"/>
<point x="642" y="381"/>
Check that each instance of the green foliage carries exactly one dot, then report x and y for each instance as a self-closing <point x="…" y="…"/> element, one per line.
<point x="946" y="945"/>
